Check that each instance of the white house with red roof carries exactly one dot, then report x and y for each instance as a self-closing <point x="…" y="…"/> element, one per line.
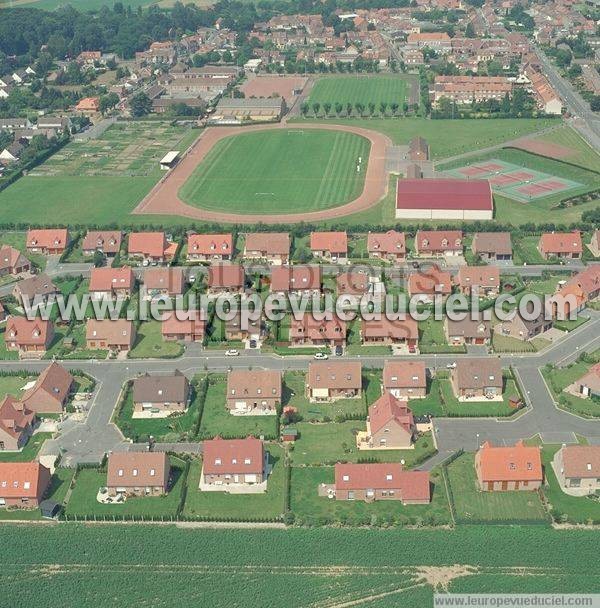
<point x="332" y="246"/>
<point x="207" y="247"/>
<point x="563" y="245"/>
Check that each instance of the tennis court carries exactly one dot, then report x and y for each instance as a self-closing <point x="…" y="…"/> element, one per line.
<point x="514" y="181"/>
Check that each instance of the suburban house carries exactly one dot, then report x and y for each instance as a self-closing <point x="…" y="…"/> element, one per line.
<point x="589" y="384"/>
<point x="390" y="425"/>
<point x="298" y="280"/>
<point x="577" y="467"/>
<point x="226" y="279"/>
<point x="426" y="284"/>
<point x="28" y="338"/>
<point x="477" y="378"/>
<point x="432" y="243"/>
<point x="272" y="247"/>
<point x="330" y="246"/>
<point x="117" y="335"/>
<point x="517" y="467"/>
<point x="47" y="240"/>
<point x="388" y="331"/>
<point x="156" y="394"/>
<point x="352" y="284"/>
<point x="150" y="247"/>
<point x="585" y="286"/>
<point x="523" y="329"/>
<point x="332" y="380"/>
<point x="484" y="281"/>
<point x="88" y="105"/>
<point x="467" y="331"/>
<point x="253" y="391"/>
<point x="12" y="261"/>
<point x="138" y="473"/>
<point x="379" y="481"/>
<point x="186" y="330"/>
<point x="309" y="331"/>
<point x="111" y="283"/>
<point x="405" y="379"/>
<point x="233" y="461"/>
<point x="34" y="290"/>
<point x="16" y="424"/>
<point x="163" y="282"/>
<point x="23" y="484"/>
<point x="50" y="392"/>
<point x="390" y="246"/>
<point x="207" y="247"/>
<point x="252" y="329"/>
<point x="564" y="245"/>
<point x="492" y="246"/>
<point x="107" y="242"/>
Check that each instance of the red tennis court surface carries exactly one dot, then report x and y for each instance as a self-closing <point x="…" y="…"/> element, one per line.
<point x="504" y="180"/>
<point x="492" y="167"/>
<point x="545" y="187"/>
<point x="522" y="176"/>
<point x="472" y="171"/>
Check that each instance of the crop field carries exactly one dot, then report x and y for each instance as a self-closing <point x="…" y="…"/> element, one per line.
<point x="93" y="565"/>
<point x="359" y="89"/>
<point x="81" y="5"/>
<point x="279" y="171"/>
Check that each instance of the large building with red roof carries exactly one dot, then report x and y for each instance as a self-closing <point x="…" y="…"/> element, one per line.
<point x="444" y="199"/>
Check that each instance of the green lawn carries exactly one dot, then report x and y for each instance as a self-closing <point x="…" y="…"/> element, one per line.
<point x="584" y="156"/>
<point x="222" y="505"/>
<point x="13" y="384"/>
<point x="279" y="171"/>
<point x="432" y="338"/>
<point x="311" y="509"/>
<point x="149" y="343"/>
<point x="473" y="505"/>
<point x="81" y="5"/>
<point x="29" y="451"/>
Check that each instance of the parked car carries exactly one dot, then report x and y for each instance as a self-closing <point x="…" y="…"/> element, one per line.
<point x="253" y="343"/>
<point x="321" y="356"/>
<point x="339" y="351"/>
<point x="451" y="365"/>
<point x="232" y="352"/>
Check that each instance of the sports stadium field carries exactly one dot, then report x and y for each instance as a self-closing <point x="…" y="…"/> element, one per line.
<point x="279" y="171"/>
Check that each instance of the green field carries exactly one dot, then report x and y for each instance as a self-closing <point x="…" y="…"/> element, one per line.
<point x="279" y="171"/>
<point x="81" y="5"/>
<point x="359" y="89"/>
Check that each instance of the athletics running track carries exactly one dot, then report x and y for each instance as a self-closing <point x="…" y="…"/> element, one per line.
<point x="164" y="198"/>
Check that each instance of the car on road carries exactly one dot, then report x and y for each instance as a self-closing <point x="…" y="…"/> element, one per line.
<point x="232" y="352"/>
<point x="321" y="356"/>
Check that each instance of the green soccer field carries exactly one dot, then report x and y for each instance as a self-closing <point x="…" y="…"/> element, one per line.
<point x="359" y="89"/>
<point x="279" y="171"/>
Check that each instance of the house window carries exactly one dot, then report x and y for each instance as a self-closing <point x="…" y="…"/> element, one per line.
<point x="26" y="485"/>
<point x="135" y="472"/>
<point x="247" y="460"/>
<point x="152" y="472"/>
<point x="217" y="461"/>
<point x="351" y="495"/>
<point x="346" y="477"/>
<point x="120" y="473"/>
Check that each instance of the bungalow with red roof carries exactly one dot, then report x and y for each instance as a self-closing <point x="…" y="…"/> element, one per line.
<point x="47" y="240"/>
<point x="162" y="282"/>
<point x="432" y="243"/>
<point x="23" y="484"/>
<point x="13" y="262"/>
<point x="563" y="245"/>
<point x="138" y="473"/>
<point x="427" y="283"/>
<point x="405" y="379"/>
<point x="117" y="335"/>
<point x="390" y="331"/>
<point x="577" y="469"/>
<point x="107" y="242"/>
<point x="390" y="246"/>
<point x="111" y="283"/>
<point x="272" y="247"/>
<point x="16" y="424"/>
<point x="256" y="391"/>
<point x="517" y="467"/>
<point x="226" y="279"/>
<point x="332" y="246"/>
<point x="185" y="330"/>
<point x="309" y="331"/>
<point x="580" y="289"/>
<point x="298" y="280"/>
<point x="50" y="392"/>
<point x="352" y="284"/>
<point x="30" y="338"/>
<point x="88" y="105"/>
<point x="226" y="462"/>
<point x="481" y="280"/>
<point x="390" y="426"/>
<point x="333" y="380"/>
<point x="150" y="247"/>
<point x="208" y="247"/>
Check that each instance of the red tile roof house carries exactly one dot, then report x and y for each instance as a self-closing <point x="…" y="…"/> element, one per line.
<point x="352" y="284"/>
<point x="309" y="331"/>
<point x="432" y="243"/>
<point x="23" y="484"/>
<point x="428" y="283"/>
<point x="390" y="246"/>
<point x="106" y="334"/>
<point x="226" y="279"/>
<point x="483" y="280"/>
<point x="162" y="282"/>
<point x="160" y="396"/>
<point x="390" y="426"/>
<point x="332" y="380"/>
<point x="577" y="469"/>
<point x="13" y="262"/>
<point x="186" y="330"/>
<point x="150" y="247"/>
<point x="107" y="242"/>
<point x="444" y="199"/>
<point x="28" y="338"/>
<point x="588" y="281"/>
<point x="467" y="331"/>
<point x="138" y="473"/>
<point x="379" y="481"/>
<point x="564" y="245"/>
<point x="331" y="246"/>
<point x="523" y="329"/>
<point x="405" y="379"/>
<point x="299" y="280"/>
<point x="517" y="467"/>
<point x="254" y="329"/>
<point x="207" y="247"/>
<point x="492" y="246"/>
<point x="477" y="379"/>
<point x="253" y="392"/>
<point x="272" y="247"/>
<point x="16" y="424"/>
<point x="47" y="241"/>
<point x="50" y="392"/>
<point x="226" y="462"/>
<point x="111" y="283"/>
<point x="394" y="332"/>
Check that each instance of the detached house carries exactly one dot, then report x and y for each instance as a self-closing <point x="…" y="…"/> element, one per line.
<point x="492" y="246"/>
<point x="477" y="379"/>
<point x="426" y="284"/>
<point x="564" y="245"/>
<point x="150" y="247"/>
<point x="589" y="384"/>
<point x="390" y="425"/>
<point x="208" y="247"/>
<point x="308" y="331"/>
<point x="467" y="331"/>
<point x="297" y="280"/>
<point x="331" y="246"/>
<point x="138" y="473"/>
<point x="16" y="424"/>
<point x="432" y="243"/>
<point x="577" y="468"/>
<point x="163" y="282"/>
<point x="160" y="395"/>
<point x="23" y="484"/>
<point x="481" y="280"/>
<point x="28" y="338"/>
<point x="226" y="279"/>
<point x="107" y="334"/>
<point x="393" y="332"/>
<point x="226" y="462"/>
<point x="107" y="242"/>
<point x="34" y="290"/>
<point x="524" y="329"/>
<point x="47" y="241"/>
<point x="13" y="262"/>
<point x="352" y="284"/>
<point x="405" y="379"/>
<point x="390" y="246"/>
<point x="332" y="380"/>
<point x="272" y="247"/>
<point x="186" y="330"/>
<point x="50" y="392"/>
<point x="110" y="283"/>
<point x="253" y="391"/>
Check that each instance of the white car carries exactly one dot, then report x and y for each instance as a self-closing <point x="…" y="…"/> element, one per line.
<point x="321" y="356"/>
<point x="232" y="352"/>
<point x="451" y="365"/>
